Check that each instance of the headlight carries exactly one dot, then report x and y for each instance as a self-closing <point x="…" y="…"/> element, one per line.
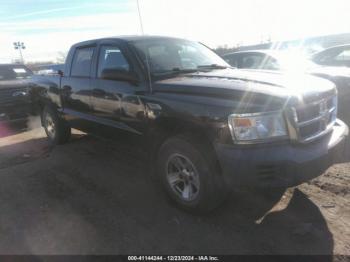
<point x="257" y="127"/>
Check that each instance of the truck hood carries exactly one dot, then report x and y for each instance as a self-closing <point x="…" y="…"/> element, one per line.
<point x="229" y="83"/>
<point x="16" y="83"/>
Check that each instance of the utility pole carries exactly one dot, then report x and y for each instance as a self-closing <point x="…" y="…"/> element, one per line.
<point x="19" y="46"/>
<point x="140" y="17"/>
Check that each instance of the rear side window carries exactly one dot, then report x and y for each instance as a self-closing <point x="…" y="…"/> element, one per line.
<point x="82" y="62"/>
<point x="233" y="60"/>
<point x="111" y="57"/>
<point x="343" y="56"/>
<point x="252" y="61"/>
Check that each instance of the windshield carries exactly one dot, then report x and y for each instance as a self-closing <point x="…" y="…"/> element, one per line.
<point x="168" y="55"/>
<point x="14" y="72"/>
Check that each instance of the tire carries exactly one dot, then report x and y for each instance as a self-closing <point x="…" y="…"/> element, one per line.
<point x="57" y="130"/>
<point x="189" y="176"/>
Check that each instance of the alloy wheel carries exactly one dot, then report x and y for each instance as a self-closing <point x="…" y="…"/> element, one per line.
<point x="182" y="177"/>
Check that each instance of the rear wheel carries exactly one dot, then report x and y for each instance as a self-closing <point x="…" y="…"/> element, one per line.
<point x="57" y="130"/>
<point x="189" y="176"/>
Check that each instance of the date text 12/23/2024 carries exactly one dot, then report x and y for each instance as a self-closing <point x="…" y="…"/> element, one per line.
<point x="173" y="258"/>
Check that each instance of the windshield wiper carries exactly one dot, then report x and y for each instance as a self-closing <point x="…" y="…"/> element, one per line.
<point x="176" y="70"/>
<point x="212" y="66"/>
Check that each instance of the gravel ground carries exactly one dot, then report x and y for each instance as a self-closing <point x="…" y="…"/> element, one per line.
<point x="93" y="197"/>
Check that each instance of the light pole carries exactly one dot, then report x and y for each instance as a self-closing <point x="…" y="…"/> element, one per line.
<point x="19" y="46"/>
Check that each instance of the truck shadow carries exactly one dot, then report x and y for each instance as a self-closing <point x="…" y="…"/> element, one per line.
<point x="11" y="129"/>
<point x="89" y="197"/>
<point x="299" y="228"/>
<point x="14" y="128"/>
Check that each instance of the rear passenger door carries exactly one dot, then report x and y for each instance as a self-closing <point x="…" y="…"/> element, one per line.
<point x="76" y="87"/>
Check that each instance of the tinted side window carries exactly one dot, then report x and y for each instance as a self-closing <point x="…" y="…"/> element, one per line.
<point x="343" y="56"/>
<point x="327" y="56"/>
<point x="270" y="63"/>
<point x="233" y="60"/>
<point x="252" y="61"/>
<point x="111" y="57"/>
<point x="82" y="62"/>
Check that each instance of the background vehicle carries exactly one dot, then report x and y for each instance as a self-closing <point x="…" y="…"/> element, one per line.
<point x="207" y="127"/>
<point x="295" y="63"/>
<point x="269" y="60"/>
<point x="334" y="56"/>
<point x="49" y="69"/>
<point x="15" y="102"/>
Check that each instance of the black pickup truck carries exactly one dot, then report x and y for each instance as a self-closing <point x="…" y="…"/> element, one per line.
<point x="207" y="127"/>
<point x="15" y="101"/>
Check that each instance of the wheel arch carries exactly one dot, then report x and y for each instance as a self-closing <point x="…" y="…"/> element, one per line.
<point x="42" y="103"/>
<point x="195" y="133"/>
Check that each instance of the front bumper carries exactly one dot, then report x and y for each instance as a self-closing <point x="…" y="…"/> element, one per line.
<point x="283" y="164"/>
<point x="15" y="112"/>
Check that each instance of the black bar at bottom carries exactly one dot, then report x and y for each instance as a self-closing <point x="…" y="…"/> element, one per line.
<point x="190" y="258"/>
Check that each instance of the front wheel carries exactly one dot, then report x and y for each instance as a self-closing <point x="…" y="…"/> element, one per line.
<point x="57" y="130"/>
<point x="189" y="175"/>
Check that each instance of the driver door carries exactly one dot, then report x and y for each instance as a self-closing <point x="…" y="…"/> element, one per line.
<point x="110" y="98"/>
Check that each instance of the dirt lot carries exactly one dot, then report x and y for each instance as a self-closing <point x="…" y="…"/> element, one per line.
<point x="93" y="197"/>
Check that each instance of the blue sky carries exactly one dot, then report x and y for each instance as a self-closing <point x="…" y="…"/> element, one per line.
<point x="51" y="26"/>
<point x="25" y="10"/>
<point x="21" y="11"/>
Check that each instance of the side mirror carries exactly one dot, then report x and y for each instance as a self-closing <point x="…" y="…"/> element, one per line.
<point x="119" y="75"/>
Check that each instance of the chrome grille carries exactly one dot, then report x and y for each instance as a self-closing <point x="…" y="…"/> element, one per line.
<point x="314" y="119"/>
<point x="7" y="95"/>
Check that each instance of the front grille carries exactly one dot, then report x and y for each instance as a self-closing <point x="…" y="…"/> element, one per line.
<point x="314" y="119"/>
<point x="7" y="95"/>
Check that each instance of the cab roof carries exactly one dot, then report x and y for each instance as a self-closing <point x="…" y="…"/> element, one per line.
<point x="127" y="38"/>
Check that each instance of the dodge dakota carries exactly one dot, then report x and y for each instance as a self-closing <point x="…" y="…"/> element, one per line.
<point x="207" y="127"/>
